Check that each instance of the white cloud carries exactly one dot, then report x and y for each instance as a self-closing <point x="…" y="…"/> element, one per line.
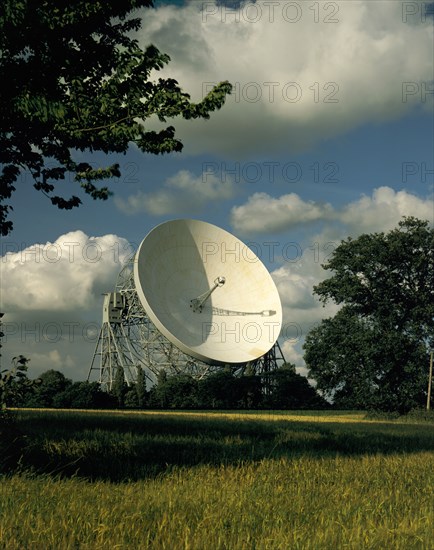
<point x="300" y="74"/>
<point x="383" y="210"/>
<point x="51" y="360"/>
<point x="302" y="311"/>
<point x="295" y="286"/>
<point x="52" y="299"/>
<point x="182" y="192"/>
<point x="293" y="356"/>
<point x="67" y="274"/>
<point x="265" y="213"/>
<point x="379" y="212"/>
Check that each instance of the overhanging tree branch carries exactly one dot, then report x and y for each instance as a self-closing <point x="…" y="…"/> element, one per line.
<point x="74" y="77"/>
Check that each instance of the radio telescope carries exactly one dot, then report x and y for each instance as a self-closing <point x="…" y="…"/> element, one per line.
<point x="192" y="299"/>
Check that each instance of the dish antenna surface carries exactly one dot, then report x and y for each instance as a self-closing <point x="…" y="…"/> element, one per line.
<point x="207" y="292"/>
<point x="192" y="298"/>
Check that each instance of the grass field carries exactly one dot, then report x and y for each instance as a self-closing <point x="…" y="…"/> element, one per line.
<point x="218" y="481"/>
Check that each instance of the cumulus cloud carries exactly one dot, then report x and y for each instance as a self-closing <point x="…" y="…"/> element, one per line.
<point x="301" y="73"/>
<point x="383" y="210"/>
<point x="292" y="355"/>
<point x="67" y="274"/>
<point x="379" y="212"/>
<point x="302" y="311"/>
<point x="263" y="213"/>
<point x="295" y="286"/>
<point x="51" y="360"/>
<point x="181" y="193"/>
<point x="51" y="297"/>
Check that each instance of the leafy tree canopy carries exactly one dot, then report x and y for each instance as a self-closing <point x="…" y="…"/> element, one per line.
<point x="374" y="351"/>
<point x="290" y="390"/>
<point x="51" y="384"/>
<point x="120" y="387"/>
<point x="14" y="382"/>
<point x="75" y="79"/>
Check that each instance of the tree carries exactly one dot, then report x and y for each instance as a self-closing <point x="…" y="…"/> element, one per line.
<point x="131" y="401"/>
<point x="76" y="79"/>
<point x="120" y="387"/>
<point x="141" y="387"/>
<point x="83" y="395"/>
<point x="290" y="390"/>
<point x="250" y="389"/>
<point x="157" y="394"/>
<point x="219" y="390"/>
<point x="47" y="389"/>
<point x="174" y="392"/>
<point x="14" y="384"/>
<point x="374" y="352"/>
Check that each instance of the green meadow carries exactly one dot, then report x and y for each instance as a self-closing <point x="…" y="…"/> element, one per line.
<point x="217" y="480"/>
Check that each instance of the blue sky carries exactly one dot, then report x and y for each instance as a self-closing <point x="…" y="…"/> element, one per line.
<point x="329" y="133"/>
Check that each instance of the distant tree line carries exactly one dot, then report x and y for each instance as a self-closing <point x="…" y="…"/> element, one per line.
<point x="282" y="389"/>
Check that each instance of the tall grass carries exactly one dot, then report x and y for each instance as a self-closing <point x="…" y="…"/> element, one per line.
<point x="220" y="481"/>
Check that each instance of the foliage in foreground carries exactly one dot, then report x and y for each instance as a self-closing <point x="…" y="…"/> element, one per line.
<point x="219" y="480"/>
<point x="78" y="79"/>
<point x="14" y="384"/>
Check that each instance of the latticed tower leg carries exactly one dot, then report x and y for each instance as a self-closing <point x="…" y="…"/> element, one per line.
<point x="267" y="364"/>
<point x="128" y="338"/>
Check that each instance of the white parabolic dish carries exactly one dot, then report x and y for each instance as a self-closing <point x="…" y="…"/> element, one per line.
<point x="180" y="261"/>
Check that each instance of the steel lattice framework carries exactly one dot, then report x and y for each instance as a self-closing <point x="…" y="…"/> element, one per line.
<point x="129" y="339"/>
